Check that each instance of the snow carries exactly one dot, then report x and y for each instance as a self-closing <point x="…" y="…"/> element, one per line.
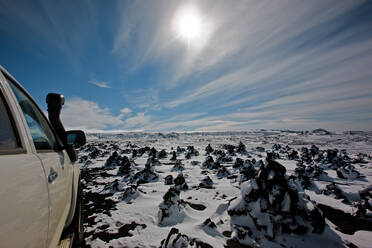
<point x="126" y="210"/>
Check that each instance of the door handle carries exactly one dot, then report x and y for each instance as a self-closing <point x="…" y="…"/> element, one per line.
<point x="52" y="176"/>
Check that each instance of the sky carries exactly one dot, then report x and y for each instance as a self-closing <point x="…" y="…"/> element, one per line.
<point x="127" y="65"/>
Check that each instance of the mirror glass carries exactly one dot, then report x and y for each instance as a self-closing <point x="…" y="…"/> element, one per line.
<point x="76" y="138"/>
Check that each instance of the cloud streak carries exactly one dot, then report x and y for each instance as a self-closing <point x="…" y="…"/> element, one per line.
<point x="101" y="84"/>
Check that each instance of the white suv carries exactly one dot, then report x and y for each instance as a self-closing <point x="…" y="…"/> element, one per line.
<point x="40" y="194"/>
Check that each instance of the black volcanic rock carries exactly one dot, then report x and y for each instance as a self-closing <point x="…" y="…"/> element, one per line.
<point x="162" y="154"/>
<point x="208" y="163"/>
<point x="153" y="152"/>
<point x="94" y="152"/>
<point x="125" y="166"/>
<point x="238" y="163"/>
<point x="348" y="172"/>
<point x="168" y="180"/>
<point x="180" y="150"/>
<point x="180" y="182"/>
<point x="246" y="172"/>
<point x="175" y="239"/>
<point x="129" y="193"/>
<point x="145" y="176"/>
<point x="241" y="148"/>
<point x="113" y="160"/>
<point x="274" y="204"/>
<point x="208" y="149"/>
<point x="222" y="172"/>
<point x="152" y="161"/>
<point x="260" y="149"/>
<point x="292" y="154"/>
<point x="364" y="204"/>
<point x="230" y="149"/>
<point x="206" y="183"/>
<point x="178" y="166"/>
<point x="337" y="192"/>
<point x="171" y="210"/>
<point x="191" y="151"/>
<point x="174" y="156"/>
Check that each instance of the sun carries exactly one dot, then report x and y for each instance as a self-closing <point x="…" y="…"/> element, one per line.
<point x="189" y="25"/>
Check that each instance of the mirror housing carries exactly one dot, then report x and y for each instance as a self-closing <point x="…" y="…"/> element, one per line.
<point x="75" y="138"/>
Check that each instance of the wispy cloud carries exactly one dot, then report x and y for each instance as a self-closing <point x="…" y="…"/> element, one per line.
<point x="147" y="98"/>
<point x="99" y="83"/>
<point x="84" y="114"/>
<point x="137" y="121"/>
<point x="125" y="110"/>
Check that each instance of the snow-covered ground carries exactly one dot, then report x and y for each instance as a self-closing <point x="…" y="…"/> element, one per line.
<point x="227" y="189"/>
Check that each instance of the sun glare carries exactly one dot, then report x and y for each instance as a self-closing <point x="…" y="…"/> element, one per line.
<point x="189" y="25"/>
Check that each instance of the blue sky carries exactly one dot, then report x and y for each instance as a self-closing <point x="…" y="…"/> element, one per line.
<point x="122" y="65"/>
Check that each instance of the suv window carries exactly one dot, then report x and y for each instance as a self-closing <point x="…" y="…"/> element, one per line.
<point x="41" y="133"/>
<point x="8" y="139"/>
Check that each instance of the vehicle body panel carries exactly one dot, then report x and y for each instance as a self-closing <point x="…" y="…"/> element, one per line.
<point x="24" y="201"/>
<point x="59" y="190"/>
<point x="33" y="210"/>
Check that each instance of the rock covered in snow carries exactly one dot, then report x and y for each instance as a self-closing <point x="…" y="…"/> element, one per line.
<point x="125" y="167"/>
<point x="94" y="152"/>
<point x="180" y="150"/>
<point x="292" y="154"/>
<point x="145" y="176"/>
<point x="208" y="149"/>
<point x="115" y="186"/>
<point x="83" y="159"/>
<point x="129" y="193"/>
<point x="361" y="158"/>
<point x="174" y="156"/>
<point x="168" y="180"/>
<point x="230" y="149"/>
<point x="276" y="147"/>
<point x="152" y="161"/>
<point x="191" y="151"/>
<point x="171" y="210"/>
<point x="209" y="163"/>
<point x="223" y="172"/>
<point x="247" y="171"/>
<point x="180" y="182"/>
<point x="348" y="172"/>
<point x="178" y="166"/>
<point x="241" y="148"/>
<point x="271" y="204"/>
<point x="225" y="159"/>
<point x="153" y="152"/>
<point x="162" y="154"/>
<point x="337" y="192"/>
<point x="195" y="162"/>
<point x="113" y="160"/>
<point x="260" y="149"/>
<point x="175" y="239"/>
<point x="321" y="131"/>
<point x="206" y="183"/>
<point x="238" y="163"/>
<point x="364" y="204"/>
<point x="305" y="174"/>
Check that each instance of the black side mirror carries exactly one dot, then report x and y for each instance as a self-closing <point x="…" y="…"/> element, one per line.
<point x="76" y="138"/>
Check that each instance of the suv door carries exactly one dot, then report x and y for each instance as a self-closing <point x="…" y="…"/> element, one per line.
<point x="24" y="209"/>
<point x="56" y="162"/>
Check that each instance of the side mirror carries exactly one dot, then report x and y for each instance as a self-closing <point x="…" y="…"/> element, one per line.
<point x="76" y="138"/>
